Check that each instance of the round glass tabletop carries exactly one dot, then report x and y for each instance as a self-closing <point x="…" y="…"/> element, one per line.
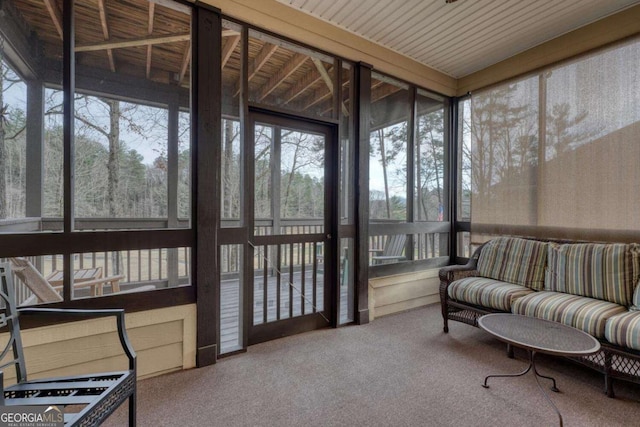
<point x="539" y="335"/>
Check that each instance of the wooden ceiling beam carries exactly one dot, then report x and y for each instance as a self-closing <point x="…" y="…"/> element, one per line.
<point x="186" y="58"/>
<point x="289" y="68"/>
<point x="382" y="91"/>
<point x="267" y="50"/>
<point x="318" y="96"/>
<point x="178" y="7"/>
<point x="328" y="81"/>
<point x="377" y="84"/>
<point x="56" y="15"/>
<point x="323" y="72"/>
<point x="150" y="20"/>
<point x="309" y="79"/>
<point x="25" y="50"/>
<point x="229" y="33"/>
<point x="345" y="109"/>
<point x="105" y="33"/>
<point x="144" y="41"/>
<point x="229" y="47"/>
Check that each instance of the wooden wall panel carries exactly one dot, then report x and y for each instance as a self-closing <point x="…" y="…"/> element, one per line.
<point x="393" y="294"/>
<point x="164" y="341"/>
<point x="85" y="349"/>
<point x="151" y="363"/>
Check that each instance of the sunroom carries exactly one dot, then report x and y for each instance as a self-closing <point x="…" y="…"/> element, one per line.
<point x="231" y="172"/>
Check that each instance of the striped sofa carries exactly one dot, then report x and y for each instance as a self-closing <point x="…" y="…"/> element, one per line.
<point x="590" y="286"/>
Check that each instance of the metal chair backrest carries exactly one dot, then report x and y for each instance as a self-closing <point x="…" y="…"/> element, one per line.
<point x="12" y="354"/>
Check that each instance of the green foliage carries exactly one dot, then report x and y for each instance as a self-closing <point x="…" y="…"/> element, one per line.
<point x="305" y="196"/>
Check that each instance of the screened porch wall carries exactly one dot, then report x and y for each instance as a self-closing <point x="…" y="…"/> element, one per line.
<point x="555" y="154"/>
<point x="122" y="169"/>
<point x="306" y="29"/>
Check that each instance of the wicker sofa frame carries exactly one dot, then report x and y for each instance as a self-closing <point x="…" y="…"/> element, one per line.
<point x="613" y="361"/>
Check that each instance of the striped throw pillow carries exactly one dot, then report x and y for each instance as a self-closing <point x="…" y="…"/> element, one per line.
<point x="635" y="306"/>
<point x="601" y="271"/>
<point x="514" y="260"/>
<point x="635" y="254"/>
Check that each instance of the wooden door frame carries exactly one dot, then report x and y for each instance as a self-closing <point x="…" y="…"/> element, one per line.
<point x="331" y="169"/>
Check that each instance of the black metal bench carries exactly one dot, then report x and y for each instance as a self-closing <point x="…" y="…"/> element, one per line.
<point x="85" y="400"/>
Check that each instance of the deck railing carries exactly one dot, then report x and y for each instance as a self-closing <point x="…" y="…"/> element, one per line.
<point x="168" y="267"/>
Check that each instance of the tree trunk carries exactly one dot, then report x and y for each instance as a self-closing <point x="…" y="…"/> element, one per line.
<point x="434" y="153"/>
<point x="3" y="150"/>
<point x="383" y="158"/>
<point x="228" y="194"/>
<point x="113" y="166"/>
<point x="113" y="170"/>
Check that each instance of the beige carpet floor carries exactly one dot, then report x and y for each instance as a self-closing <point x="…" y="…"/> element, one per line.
<point x="400" y="370"/>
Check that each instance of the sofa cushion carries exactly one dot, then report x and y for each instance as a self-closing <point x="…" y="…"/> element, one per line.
<point x="587" y="314"/>
<point x="601" y="271"/>
<point x="635" y="303"/>
<point x="513" y="260"/>
<point x="624" y="330"/>
<point x="486" y="292"/>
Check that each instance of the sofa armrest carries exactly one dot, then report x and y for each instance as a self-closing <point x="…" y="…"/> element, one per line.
<point x="455" y="272"/>
<point x="452" y="273"/>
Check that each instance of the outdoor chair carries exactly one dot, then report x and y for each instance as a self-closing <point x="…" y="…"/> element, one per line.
<point x="344" y="266"/>
<point x="84" y="400"/>
<point x="392" y="252"/>
<point x="47" y="289"/>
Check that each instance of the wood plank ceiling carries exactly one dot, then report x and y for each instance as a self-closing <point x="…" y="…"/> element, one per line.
<point x="137" y="37"/>
<point x="462" y="37"/>
<point x="149" y="40"/>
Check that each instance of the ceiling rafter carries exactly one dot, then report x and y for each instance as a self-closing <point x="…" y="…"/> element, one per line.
<point x="229" y="33"/>
<point x="345" y="110"/>
<point x="318" y="96"/>
<point x="151" y="18"/>
<point x="382" y="91"/>
<point x="56" y="15"/>
<point x="294" y="63"/>
<point x="143" y="41"/>
<point x="309" y="79"/>
<point x="323" y="73"/>
<point x="267" y="50"/>
<point x="345" y="99"/>
<point x="105" y="33"/>
<point x="229" y="47"/>
<point x="178" y="7"/>
<point x="328" y="81"/>
<point x="186" y="58"/>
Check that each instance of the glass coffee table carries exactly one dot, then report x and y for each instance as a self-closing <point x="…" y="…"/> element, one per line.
<point x="538" y="336"/>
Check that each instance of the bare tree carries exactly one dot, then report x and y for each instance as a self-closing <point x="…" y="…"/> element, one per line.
<point x="307" y="151"/>
<point x="113" y="164"/>
<point x="3" y="151"/>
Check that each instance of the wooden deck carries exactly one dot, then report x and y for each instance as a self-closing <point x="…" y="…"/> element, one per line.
<point x="230" y="304"/>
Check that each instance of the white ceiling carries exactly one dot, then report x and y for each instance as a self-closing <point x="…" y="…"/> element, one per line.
<point x="462" y="37"/>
